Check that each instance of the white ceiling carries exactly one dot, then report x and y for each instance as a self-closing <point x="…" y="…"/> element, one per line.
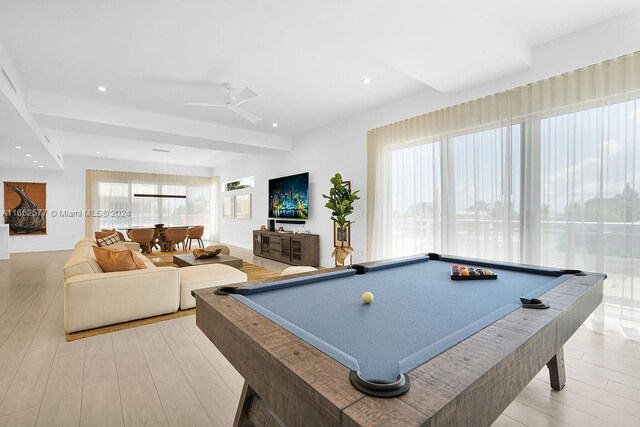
<point x="304" y="58"/>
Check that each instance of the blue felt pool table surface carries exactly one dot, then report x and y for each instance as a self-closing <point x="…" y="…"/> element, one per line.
<point x="417" y="312"/>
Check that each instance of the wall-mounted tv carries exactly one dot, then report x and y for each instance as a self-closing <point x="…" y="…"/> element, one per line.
<point x="289" y="197"/>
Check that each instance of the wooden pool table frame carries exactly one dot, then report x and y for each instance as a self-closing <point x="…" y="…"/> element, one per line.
<point x="289" y="382"/>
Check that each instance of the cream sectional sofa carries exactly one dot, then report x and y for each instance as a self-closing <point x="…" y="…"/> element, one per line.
<point x="93" y="298"/>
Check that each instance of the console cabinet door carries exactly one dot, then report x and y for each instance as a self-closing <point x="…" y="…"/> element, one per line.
<point x="296" y="251"/>
<point x="265" y="243"/>
<point x="257" y="243"/>
<point x="285" y="249"/>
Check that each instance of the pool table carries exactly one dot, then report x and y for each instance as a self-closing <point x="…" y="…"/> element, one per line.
<point x="427" y="350"/>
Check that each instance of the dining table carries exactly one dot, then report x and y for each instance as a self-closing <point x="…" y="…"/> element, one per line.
<point x="159" y="239"/>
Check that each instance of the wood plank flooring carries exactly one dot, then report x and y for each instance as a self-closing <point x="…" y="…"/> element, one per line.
<point x="169" y="373"/>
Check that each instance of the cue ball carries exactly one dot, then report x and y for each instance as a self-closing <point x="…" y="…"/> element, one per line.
<point x="367" y="297"/>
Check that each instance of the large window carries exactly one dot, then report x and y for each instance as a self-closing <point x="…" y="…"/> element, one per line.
<point x="547" y="173"/>
<point x="124" y="200"/>
<point x="483" y="177"/>
<point x="114" y="196"/>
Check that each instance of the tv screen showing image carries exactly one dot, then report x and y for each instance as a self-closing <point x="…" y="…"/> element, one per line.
<point x="289" y="197"/>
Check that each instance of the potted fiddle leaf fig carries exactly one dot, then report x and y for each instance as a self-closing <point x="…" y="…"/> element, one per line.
<point x="340" y="201"/>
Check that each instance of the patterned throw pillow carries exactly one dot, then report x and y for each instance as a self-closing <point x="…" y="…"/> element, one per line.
<point x="109" y="240"/>
<point x="113" y="230"/>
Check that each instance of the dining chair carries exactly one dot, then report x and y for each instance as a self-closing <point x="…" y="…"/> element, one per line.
<point x="195" y="233"/>
<point x="142" y="236"/>
<point x="174" y="236"/>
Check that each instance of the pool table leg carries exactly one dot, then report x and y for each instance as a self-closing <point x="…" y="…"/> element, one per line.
<point x="252" y="411"/>
<point x="557" y="376"/>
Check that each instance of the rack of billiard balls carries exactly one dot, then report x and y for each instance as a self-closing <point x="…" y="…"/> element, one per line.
<point x="462" y="272"/>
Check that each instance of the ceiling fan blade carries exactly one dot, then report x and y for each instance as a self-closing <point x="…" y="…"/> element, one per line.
<point x="253" y="118"/>
<point x="245" y="95"/>
<point x="203" y="104"/>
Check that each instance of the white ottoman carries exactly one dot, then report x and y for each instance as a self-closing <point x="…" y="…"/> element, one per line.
<point x="205" y="276"/>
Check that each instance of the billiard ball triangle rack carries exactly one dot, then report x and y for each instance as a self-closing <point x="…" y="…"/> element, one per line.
<point x="462" y="272"/>
<point x="483" y="277"/>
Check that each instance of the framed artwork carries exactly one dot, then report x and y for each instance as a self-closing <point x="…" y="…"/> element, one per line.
<point x="228" y="207"/>
<point x="243" y="206"/>
<point x="25" y="205"/>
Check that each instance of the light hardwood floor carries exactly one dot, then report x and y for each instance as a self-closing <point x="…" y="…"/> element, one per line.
<point x="169" y="373"/>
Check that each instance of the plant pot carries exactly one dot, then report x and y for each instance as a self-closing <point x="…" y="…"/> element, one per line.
<point x="341" y="253"/>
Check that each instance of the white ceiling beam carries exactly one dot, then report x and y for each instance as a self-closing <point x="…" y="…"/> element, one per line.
<point x="17" y="125"/>
<point x="72" y="114"/>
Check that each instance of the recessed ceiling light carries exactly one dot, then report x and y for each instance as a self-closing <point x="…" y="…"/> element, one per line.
<point x="97" y="152"/>
<point x="366" y="81"/>
<point x="275" y="125"/>
<point x="27" y="155"/>
<point x="102" y="89"/>
<point x="17" y="147"/>
<point x="40" y="166"/>
<point x="36" y="162"/>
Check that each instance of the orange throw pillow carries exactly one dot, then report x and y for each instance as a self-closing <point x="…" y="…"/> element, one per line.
<point x="112" y="261"/>
<point x="138" y="258"/>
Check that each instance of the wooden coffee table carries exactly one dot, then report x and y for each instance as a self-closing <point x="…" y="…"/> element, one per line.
<point x="188" y="260"/>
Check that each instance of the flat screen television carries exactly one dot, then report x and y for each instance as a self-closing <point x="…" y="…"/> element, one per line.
<point x="289" y="197"/>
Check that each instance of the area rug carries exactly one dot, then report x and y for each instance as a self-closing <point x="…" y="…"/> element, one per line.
<point x="253" y="272"/>
<point x="163" y="259"/>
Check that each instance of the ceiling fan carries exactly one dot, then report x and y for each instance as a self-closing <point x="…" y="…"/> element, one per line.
<point x="232" y="102"/>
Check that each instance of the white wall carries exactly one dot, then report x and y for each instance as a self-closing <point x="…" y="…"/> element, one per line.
<point x="320" y="157"/>
<point x="66" y="191"/>
<point x="341" y="147"/>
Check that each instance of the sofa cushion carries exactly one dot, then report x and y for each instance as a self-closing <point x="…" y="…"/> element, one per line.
<point x="80" y="263"/>
<point x="112" y="261"/>
<point x="205" y="276"/>
<point x="85" y="243"/>
<point x="95" y="300"/>
<point x="82" y="260"/>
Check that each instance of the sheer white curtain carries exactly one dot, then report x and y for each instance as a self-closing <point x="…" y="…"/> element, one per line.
<point x="111" y="201"/>
<point x="547" y="173"/>
<point x="214" y="197"/>
<point x="590" y="203"/>
<point x="409" y="219"/>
